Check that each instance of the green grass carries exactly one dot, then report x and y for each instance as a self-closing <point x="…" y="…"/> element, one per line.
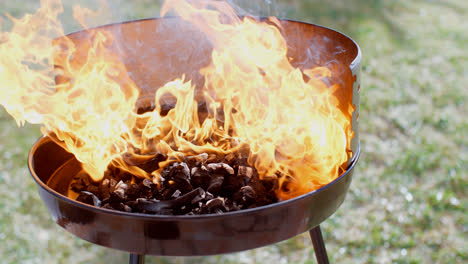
<point x="408" y="199"/>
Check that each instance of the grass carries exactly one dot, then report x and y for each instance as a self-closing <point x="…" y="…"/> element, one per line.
<point x="408" y="200"/>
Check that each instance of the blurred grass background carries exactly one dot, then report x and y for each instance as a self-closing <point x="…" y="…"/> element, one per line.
<point x="408" y="200"/>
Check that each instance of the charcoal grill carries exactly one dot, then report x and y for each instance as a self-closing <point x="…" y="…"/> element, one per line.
<point x="142" y="42"/>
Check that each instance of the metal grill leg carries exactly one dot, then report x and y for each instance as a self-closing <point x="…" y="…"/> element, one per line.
<point x="319" y="245"/>
<point x="136" y="259"/>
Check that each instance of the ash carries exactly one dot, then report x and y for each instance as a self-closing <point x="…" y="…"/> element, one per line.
<point x="202" y="184"/>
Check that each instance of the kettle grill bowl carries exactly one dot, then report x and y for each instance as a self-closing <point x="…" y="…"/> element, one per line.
<point x="142" y="43"/>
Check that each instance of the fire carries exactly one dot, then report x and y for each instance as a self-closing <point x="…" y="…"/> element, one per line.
<point x="286" y="120"/>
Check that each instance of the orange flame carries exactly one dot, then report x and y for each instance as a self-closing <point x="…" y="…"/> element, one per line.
<point x="287" y="119"/>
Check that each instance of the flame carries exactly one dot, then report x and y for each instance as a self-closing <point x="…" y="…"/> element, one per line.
<point x="286" y="120"/>
<point x="87" y="114"/>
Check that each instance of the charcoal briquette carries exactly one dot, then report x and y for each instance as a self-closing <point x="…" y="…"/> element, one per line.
<point x="147" y="183"/>
<point x="220" y="168"/>
<point x="215" y="184"/>
<point x="88" y="198"/>
<point x="245" y="173"/>
<point x="245" y="196"/>
<point x="176" y="194"/>
<point x="200" y="177"/>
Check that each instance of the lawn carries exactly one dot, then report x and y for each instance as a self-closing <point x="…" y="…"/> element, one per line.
<point x="408" y="199"/>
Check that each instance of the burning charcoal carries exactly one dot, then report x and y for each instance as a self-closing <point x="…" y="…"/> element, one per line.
<point x="105" y="183"/>
<point x="117" y="206"/>
<point x="212" y="158"/>
<point x="201" y="184"/>
<point x="230" y="158"/>
<point x="165" y="193"/>
<point x="88" y="198"/>
<point x="195" y="161"/>
<point x="200" y="177"/>
<point x="245" y="196"/>
<point x="121" y="186"/>
<point x="127" y="208"/>
<point x="123" y="176"/>
<point x="84" y="177"/>
<point x="116" y="197"/>
<point x="148" y="184"/>
<point x="196" y="211"/>
<point x="228" y="204"/>
<point x="245" y="173"/>
<point x="265" y="189"/>
<point x="107" y="206"/>
<point x="215" y="184"/>
<point x="220" y="168"/>
<point x="203" y="157"/>
<point x="176" y="194"/>
<point x="215" y="205"/>
<point x="148" y="163"/>
<point x="133" y="203"/>
<point x="163" y="207"/>
<point x="157" y="180"/>
<point x="209" y="196"/>
<point x="119" y="193"/>
<point x="232" y="183"/>
<point x="201" y="195"/>
<point x="133" y="191"/>
<point x="93" y="189"/>
<point x="270" y="182"/>
<point x="179" y="173"/>
<point x="104" y="188"/>
<point x="80" y="182"/>
<point x="244" y="151"/>
<point x="234" y="207"/>
<point x="121" y="207"/>
<point x="144" y="201"/>
<point x="112" y="184"/>
<point x="188" y="197"/>
<point x="105" y="200"/>
<point x="77" y="187"/>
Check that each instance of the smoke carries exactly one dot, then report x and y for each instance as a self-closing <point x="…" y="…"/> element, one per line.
<point x="260" y="8"/>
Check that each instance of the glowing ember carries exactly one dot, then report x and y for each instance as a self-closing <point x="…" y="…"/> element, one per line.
<point x="285" y="120"/>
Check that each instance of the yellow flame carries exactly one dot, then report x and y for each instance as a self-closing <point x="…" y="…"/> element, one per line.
<point x="90" y="112"/>
<point x="286" y="118"/>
